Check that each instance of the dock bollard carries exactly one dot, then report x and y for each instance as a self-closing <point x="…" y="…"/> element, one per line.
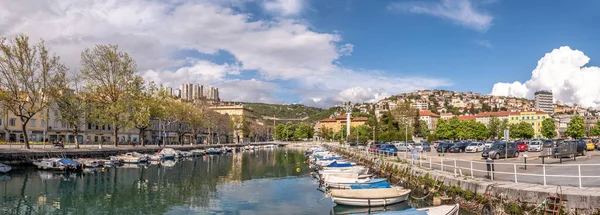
<point x="525" y="160"/>
<point x="490" y="168"/>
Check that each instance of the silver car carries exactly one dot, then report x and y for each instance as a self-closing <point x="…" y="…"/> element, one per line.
<point x="535" y="146"/>
<point x="402" y="146"/>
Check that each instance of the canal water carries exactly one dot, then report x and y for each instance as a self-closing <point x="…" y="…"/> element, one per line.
<point x="266" y="181"/>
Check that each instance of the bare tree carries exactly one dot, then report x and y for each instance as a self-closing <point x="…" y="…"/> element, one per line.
<point x="110" y="76"/>
<point x="72" y="109"/>
<point x="29" y="78"/>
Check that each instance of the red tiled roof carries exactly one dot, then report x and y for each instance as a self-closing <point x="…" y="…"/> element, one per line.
<point x="428" y="113"/>
<point x="447" y="114"/>
<point x="467" y="117"/>
<point x="357" y="119"/>
<point x="328" y="120"/>
<point x="499" y="113"/>
<point x="343" y="116"/>
<point x="519" y="113"/>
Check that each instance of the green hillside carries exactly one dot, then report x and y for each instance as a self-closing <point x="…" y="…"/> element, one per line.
<point x="289" y="111"/>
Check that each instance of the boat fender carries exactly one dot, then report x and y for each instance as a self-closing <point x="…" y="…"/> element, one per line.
<point x="298" y="169"/>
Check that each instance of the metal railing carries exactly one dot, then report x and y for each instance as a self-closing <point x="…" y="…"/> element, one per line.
<point x="546" y="174"/>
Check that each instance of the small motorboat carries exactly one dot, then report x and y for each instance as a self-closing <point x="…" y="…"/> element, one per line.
<point x="213" y="151"/>
<point x="61" y="164"/>
<point x="130" y="157"/>
<point x="369" y="197"/>
<point x="347" y="183"/>
<point x="91" y="163"/>
<point x="4" y="168"/>
<point x="169" y="153"/>
<point x="198" y="152"/>
<point x="436" y="210"/>
<point x="156" y="157"/>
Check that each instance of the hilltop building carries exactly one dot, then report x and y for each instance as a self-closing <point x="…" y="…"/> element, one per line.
<point x="195" y="93"/>
<point x="430" y="118"/>
<point x="335" y="124"/>
<point x="535" y="118"/>
<point x="543" y="101"/>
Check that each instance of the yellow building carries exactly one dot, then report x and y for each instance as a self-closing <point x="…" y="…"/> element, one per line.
<point x="534" y="118"/>
<point x="242" y="117"/>
<point x="336" y="124"/>
<point x="12" y="131"/>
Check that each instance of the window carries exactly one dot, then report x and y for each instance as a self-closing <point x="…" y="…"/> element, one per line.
<point x="13" y="122"/>
<point x="527" y="118"/>
<point x="532" y="124"/>
<point x="538" y="123"/>
<point x="32" y="123"/>
<point x="543" y="117"/>
<point x="0" y="121"/>
<point x="538" y="117"/>
<point x="522" y="118"/>
<point x="43" y="123"/>
<point x="89" y="126"/>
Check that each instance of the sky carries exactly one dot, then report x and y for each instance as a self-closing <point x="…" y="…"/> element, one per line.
<point x="324" y="52"/>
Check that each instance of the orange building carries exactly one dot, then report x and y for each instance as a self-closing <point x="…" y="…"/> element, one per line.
<point x="335" y="124"/>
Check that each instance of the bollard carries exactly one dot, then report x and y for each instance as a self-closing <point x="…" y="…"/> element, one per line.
<point x="490" y="168"/>
<point x="525" y="160"/>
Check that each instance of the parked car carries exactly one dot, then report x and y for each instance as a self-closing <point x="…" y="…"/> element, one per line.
<point x="535" y="146"/>
<point x="475" y="147"/>
<point x="418" y="146"/>
<point x="459" y="147"/>
<point x="522" y="145"/>
<point x="499" y="150"/>
<point x="570" y="148"/>
<point x="388" y="149"/>
<point x="596" y="142"/>
<point x="374" y="146"/>
<point x="589" y="145"/>
<point x="426" y="147"/>
<point x="444" y="147"/>
<point x="402" y="146"/>
<point x="488" y="144"/>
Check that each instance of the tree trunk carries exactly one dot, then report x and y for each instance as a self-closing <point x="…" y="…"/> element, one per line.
<point x="142" y="131"/>
<point x="24" y="129"/>
<point x="76" y="139"/>
<point x="209" y="137"/>
<point x="115" y="134"/>
<point x="218" y="138"/>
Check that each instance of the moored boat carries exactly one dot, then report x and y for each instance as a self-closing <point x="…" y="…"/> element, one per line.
<point x="213" y="151"/>
<point x="169" y="153"/>
<point x="61" y="164"/>
<point x="4" y="168"/>
<point x="91" y="163"/>
<point x="436" y="210"/>
<point x="130" y="157"/>
<point x="369" y="197"/>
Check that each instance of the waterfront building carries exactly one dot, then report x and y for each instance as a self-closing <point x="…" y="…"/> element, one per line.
<point x="543" y="101"/>
<point x="534" y="118"/>
<point x="242" y="118"/>
<point x="430" y="118"/>
<point x="12" y="130"/>
<point x="336" y="124"/>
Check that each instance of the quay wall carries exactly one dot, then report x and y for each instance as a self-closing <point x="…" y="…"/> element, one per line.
<point x="23" y="156"/>
<point x="505" y="197"/>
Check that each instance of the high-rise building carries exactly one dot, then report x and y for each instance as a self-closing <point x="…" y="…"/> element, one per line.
<point x="543" y="101"/>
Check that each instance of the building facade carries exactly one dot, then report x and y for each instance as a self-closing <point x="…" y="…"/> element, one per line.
<point x="336" y="124"/>
<point x="534" y="118"/>
<point x="486" y="116"/>
<point x="242" y="118"/>
<point x="430" y="119"/>
<point x="543" y="101"/>
<point x="420" y="105"/>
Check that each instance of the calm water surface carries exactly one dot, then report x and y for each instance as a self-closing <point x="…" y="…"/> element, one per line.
<point x="268" y="181"/>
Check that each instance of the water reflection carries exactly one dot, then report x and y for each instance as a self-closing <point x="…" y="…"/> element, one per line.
<point x="233" y="184"/>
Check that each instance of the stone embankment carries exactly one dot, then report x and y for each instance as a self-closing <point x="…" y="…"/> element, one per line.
<point x="477" y="194"/>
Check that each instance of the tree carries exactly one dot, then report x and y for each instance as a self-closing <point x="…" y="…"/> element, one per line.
<point x="493" y="128"/>
<point x="72" y="108"/>
<point x="110" y="76"/>
<point x="424" y="128"/>
<point x="548" y="128"/>
<point x="596" y="129"/>
<point x="417" y="125"/>
<point x="525" y="130"/>
<point x="303" y="131"/>
<point x="454" y="124"/>
<point x="29" y="79"/>
<point x="280" y="131"/>
<point x="576" y="127"/>
<point x="503" y="126"/>
<point x="443" y="130"/>
<point x="514" y="131"/>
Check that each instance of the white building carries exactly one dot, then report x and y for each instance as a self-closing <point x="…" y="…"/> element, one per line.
<point x="543" y="101"/>
<point x="430" y="118"/>
<point x="420" y="105"/>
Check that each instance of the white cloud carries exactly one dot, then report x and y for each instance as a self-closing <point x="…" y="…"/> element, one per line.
<point x="200" y="72"/>
<point x="461" y="12"/>
<point x="284" y="7"/>
<point x="248" y="90"/>
<point x="564" y="72"/>
<point x="152" y="31"/>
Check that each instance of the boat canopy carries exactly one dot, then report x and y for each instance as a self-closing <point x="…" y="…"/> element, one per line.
<point x="367" y="185"/>
<point x="336" y="164"/>
<point x="68" y="162"/>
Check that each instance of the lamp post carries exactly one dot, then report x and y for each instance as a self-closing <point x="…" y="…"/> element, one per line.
<point x="348" y="120"/>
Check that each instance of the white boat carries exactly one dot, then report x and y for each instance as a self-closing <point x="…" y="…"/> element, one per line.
<point x="198" y="152"/>
<point x="156" y="157"/>
<point x="169" y="153"/>
<point x="62" y="164"/>
<point x="344" y="175"/>
<point x="442" y="210"/>
<point x="370" y="197"/>
<point x="130" y="157"/>
<point x="343" y="183"/>
<point x="91" y="163"/>
<point x="360" y="171"/>
<point x="4" y="168"/>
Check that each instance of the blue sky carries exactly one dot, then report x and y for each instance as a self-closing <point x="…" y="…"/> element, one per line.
<point x="324" y="52"/>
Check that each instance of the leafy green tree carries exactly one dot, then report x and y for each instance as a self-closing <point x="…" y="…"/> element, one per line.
<point x="525" y="130"/>
<point x="548" y="128"/>
<point x="443" y="130"/>
<point x="280" y="131"/>
<point x="303" y="131"/>
<point x="424" y="129"/>
<point x="454" y="126"/>
<point x="576" y="127"/>
<point x="72" y="108"/>
<point x="514" y="131"/>
<point x="503" y="126"/>
<point x="110" y="75"/>
<point x="596" y="129"/>
<point x="417" y="125"/>
<point x="30" y="78"/>
<point x="479" y="131"/>
<point x="493" y="128"/>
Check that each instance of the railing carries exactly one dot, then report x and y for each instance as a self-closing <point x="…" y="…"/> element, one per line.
<point x="546" y="174"/>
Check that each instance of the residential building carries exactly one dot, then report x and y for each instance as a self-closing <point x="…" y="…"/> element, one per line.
<point x="473" y="117"/>
<point x="446" y="115"/>
<point x="336" y="124"/>
<point x="534" y="118"/>
<point x="430" y="118"/>
<point x="486" y="116"/>
<point x="421" y="105"/>
<point x="543" y="101"/>
<point x="242" y="117"/>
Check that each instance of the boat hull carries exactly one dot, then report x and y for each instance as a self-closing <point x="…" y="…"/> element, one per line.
<point x="369" y="202"/>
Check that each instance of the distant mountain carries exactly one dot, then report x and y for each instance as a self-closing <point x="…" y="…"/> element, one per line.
<point x="289" y="111"/>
